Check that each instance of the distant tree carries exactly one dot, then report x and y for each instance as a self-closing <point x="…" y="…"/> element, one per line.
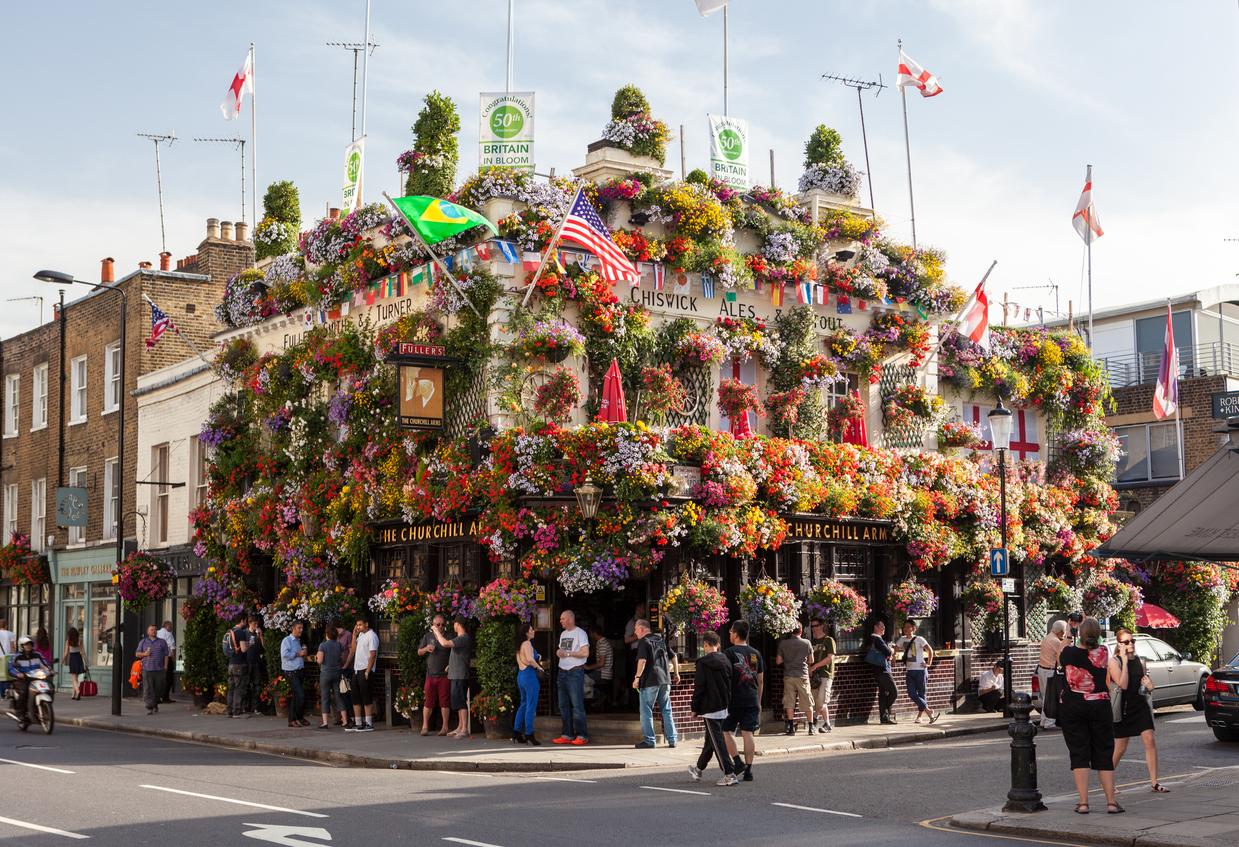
<point x="435" y="138"/>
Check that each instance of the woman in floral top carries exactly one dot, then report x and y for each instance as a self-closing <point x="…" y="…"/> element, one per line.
<point x="1085" y="715"/>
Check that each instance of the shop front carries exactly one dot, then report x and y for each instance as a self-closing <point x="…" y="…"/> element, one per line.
<point x="85" y="599"/>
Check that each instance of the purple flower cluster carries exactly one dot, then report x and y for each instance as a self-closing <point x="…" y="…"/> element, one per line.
<point x="338" y="408"/>
<point x="612" y="569"/>
<point x="213" y="436"/>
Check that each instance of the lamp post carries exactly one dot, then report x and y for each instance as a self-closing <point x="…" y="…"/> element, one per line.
<point x="61" y="278"/>
<point x="1000" y="436"/>
<point x="588" y="498"/>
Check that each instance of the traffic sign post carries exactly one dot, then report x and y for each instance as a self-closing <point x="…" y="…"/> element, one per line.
<point x="999" y="562"/>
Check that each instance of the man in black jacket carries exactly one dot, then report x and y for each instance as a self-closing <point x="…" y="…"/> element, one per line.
<point x="711" y="697"/>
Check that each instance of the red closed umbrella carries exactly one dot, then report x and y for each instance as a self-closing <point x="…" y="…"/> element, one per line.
<point x="739" y="426"/>
<point x="612" y="408"/>
<point x="1152" y="616"/>
<point x="856" y="433"/>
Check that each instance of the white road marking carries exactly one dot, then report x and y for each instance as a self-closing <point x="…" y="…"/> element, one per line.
<point x="290" y="836"/>
<point x="565" y="779"/>
<point x="674" y="790"/>
<point x="40" y="767"/>
<point x="812" y="809"/>
<point x="470" y="843"/>
<point x="47" y="829"/>
<point x="1189" y="719"/>
<point x="237" y="802"/>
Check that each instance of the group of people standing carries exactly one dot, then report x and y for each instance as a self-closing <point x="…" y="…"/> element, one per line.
<point x="918" y="657"/>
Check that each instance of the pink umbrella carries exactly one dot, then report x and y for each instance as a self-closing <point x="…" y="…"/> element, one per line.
<point x="612" y="408"/>
<point x="739" y="425"/>
<point x="856" y="432"/>
<point x="1152" y="616"/>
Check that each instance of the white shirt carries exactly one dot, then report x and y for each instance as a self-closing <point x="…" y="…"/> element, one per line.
<point x="367" y="644"/>
<point x="989" y="681"/>
<point x="167" y="636"/>
<point x="917" y="645"/>
<point x="6" y="642"/>
<point x="572" y="640"/>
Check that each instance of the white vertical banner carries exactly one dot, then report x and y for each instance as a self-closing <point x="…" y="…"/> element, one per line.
<point x="729" y="150"/>
<point x="505" y="134"/>
<point x="354" y="154"/>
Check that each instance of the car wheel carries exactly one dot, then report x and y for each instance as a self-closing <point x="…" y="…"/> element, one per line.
<point x="1199" y="703"/>
<point x="1226" y="733"/>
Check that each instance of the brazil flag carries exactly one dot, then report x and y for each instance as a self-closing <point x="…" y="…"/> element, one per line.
<point x="436" y="220"/>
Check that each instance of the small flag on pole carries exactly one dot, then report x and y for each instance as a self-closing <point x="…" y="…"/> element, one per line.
<point x="583" y="226"/>
<point x="912" y="74"/>
<point x="1085" y="219"/>
<point x="974" y="321"/>
<point x="435" y="219"/>
<point x="160" y="323"/>
<point x="707" y="286"/>
<point x="1166" y="394"/>
<point x="242" y="83"/>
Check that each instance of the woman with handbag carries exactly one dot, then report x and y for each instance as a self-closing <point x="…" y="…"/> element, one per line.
<point x="73" y="656"/>
<point x="329" y="677"/>
<point x="1085" y="714"/>
<point x="527" y="680"/>
<point x="1135" y="712"/>
<point x="879" y="656"/>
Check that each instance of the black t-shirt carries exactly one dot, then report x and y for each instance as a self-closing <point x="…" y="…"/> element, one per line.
<point x="240" y="641"/>
<point x="746" y="664"/>
<point x="653" y="649"/>
<point x="436" y="660"/>
<point x="254" y="655"/>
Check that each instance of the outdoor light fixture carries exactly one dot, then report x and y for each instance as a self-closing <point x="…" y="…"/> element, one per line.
<point x="1000" y="427"/>
<point x="55" y="277"/>
<point x="588" y="498"/>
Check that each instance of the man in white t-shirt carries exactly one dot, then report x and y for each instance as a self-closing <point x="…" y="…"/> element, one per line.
<point x="365" y="653"/>
<point x="572" y="652"/>
<point x="917" y="658"/>
<point x="169" y="638"/>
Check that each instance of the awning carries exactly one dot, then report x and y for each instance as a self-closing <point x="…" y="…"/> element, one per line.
<point x="1197" y="519"/>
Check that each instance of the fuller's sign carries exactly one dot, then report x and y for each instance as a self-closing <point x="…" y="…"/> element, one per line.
<point x="421" y="369"/>
<point x="843" y="532"/>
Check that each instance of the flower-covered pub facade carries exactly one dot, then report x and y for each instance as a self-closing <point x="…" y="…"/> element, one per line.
<point x="761" y="426"/>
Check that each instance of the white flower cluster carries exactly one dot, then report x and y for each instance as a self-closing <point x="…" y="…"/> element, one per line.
<point x="843" y="180"/>
<point x="621" y="132"/>
<point x="578" y="577"/>
<point x="780" y="247"/>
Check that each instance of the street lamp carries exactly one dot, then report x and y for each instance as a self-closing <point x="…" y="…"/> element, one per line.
<point x="1000" y="437"/>
<point x="588" y="498"/>
<point x="61" y="278"/>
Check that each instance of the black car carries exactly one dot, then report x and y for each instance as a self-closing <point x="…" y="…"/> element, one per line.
<point x="1222" y="701"/>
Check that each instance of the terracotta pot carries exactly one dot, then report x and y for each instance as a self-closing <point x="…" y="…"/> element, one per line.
<point x="281" y="707"/>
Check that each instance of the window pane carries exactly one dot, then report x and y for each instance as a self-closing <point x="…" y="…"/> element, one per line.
<point x="1164" y="451"/>
<point x="1133" y="465"/>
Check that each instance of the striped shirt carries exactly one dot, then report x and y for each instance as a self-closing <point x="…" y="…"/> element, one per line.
<point x="158" y="653"/>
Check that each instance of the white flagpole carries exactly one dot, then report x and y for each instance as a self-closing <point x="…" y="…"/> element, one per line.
<point x="511" y="41"/>
<point x="253" y="139"/>
<point x="943" y="330"/>
<point x="907" y="146"/>
<point x="435" y="256"/>
<point x="1178" y="418"/>
<point x="365" y="79"/>
<point x="1088" y="242"/>
<point x="725" y="59"/>
<point x="550" y="247"/>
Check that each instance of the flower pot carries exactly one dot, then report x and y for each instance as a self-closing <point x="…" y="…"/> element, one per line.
<point x="556" y="356"/>
<point x="281" y="707"/>
<point x="498" y="729"/>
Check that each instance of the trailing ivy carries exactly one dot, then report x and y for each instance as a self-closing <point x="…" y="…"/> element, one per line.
<point x="435" y="131"/>
<point x="797" y="345"/>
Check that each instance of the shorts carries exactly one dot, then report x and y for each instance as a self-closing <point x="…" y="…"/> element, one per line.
<point x="438" y="693"/>
<point x="460" y="693"/>
<point x="824" y="688"/>
<point x="747" y="718"/>
<point x="361" y="689"/>
<point x="797" y="688"/>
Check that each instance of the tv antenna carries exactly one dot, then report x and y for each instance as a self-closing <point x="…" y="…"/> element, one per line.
<point x="862" y="86"/>
<point x="357" y="48"/>
<point x="168" y="139"/>
<point x="239" y="142"/>
<point x="1049" y="286"/>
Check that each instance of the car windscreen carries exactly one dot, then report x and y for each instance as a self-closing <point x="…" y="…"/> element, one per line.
<point x="1234" y="661"/>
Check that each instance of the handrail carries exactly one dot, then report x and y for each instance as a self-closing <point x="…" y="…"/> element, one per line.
<point x="1213" y="359"/>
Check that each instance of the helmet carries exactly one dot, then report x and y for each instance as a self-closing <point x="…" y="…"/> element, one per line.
<point x="23" y="641"/>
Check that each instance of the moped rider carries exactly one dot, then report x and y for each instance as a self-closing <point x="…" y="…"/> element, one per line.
<point x="24" y="662"/>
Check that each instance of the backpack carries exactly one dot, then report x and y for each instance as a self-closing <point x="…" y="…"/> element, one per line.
<point x="228" y="651"/>
<point x="658" y="650"/>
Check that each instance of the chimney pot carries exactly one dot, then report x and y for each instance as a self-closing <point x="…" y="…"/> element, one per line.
<point x="333" y="213"/>
<point x="225" y="230"/>
<point x="242" y="230"/>
<point x="212" y="227"/>
<point x="165" y="261"/>
<point x="145" y="266"/>
<point x="107" y="271"/>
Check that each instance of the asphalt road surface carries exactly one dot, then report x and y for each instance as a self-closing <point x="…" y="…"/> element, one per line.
<point x="130" y="791"/>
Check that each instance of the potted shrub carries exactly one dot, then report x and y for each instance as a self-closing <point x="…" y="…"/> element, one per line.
<point x="632" y="128"/>
<point x="496" y="701"/>
<point x="202" y="651"/>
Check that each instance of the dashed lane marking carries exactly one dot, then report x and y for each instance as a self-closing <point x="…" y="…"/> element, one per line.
<point x="470" y="843"/>
<point x="39" y="767"/>
<point x="236" y="802"/>
<point x="37" y="828"/>
<point x="815" y="809"/>
<point x="674" y="790"/>
<point x="565" y="779"/>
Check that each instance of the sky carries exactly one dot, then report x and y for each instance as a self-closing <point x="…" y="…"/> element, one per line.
<point x="1033" y="92"/>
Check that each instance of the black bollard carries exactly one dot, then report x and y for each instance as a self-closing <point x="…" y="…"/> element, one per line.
<point x="1023" y="796"/>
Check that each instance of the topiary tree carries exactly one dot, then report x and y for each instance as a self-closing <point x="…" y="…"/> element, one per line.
<point x="276" y="234"/>
<point x="629" y="101"/>
<point x="434" y="173"/>
<point x="203" y="652"/>
<point x="824" y="148"/>
<point x="698" y="176"/>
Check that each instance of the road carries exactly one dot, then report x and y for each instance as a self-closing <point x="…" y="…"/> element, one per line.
<point x="130" y="791"/>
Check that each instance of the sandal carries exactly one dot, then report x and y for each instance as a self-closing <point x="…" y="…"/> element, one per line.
<point x="1114" y="809"/>
<point x="1158" y="788"/>
<point x="1081" y="808"/>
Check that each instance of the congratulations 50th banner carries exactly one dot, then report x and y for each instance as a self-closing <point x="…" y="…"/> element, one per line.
<point x="729" y="150"/>
<point x="506" y="132"/>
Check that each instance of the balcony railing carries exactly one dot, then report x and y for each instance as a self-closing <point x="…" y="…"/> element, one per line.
<point x="1214" y="359"/>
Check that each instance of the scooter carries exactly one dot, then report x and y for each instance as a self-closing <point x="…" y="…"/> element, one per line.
<point x="39" y="696"/>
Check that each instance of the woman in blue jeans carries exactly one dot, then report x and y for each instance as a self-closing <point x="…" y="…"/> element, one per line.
<point x="527" y="660"/>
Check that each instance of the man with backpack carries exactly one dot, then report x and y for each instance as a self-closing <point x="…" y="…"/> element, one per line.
<point x="236" y="645"/>
<point x="656" y="666"/>
<point x="748" y="678"/>
<point x="711" y="701"/>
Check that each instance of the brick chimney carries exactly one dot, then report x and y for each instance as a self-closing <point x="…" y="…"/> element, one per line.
<point x="144" y="266"/>
<point x="212" y="228"/>
<point x="165" y="261"/>
<point x="220" y="256"/>
<point x="225" y="230"/>
<point x="107" y="272"/>
<point x="242" y="230"/>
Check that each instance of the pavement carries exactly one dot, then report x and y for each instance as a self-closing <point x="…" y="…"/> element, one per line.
<point x="401" y="749"/>
<point x="1202" y="808"/>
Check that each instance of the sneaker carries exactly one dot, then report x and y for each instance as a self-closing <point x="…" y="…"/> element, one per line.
<point x="812" y="729"/>
<point x="580" y="741"/>
<point x="150" y="711"/>
<point x="695" y="773"/>
<point x="563" y="739"/>
<point x="748" y="775"/>
<point x="790" y="729"/>
<point x="352" y="727"/>
<point x="671" y="744"/>
<point x="365" y="728"/>
<point x="738" y="764"/>
<point x="728" y="779"/>
<point x="934" y="717"/>
<point x="644" y="745"/>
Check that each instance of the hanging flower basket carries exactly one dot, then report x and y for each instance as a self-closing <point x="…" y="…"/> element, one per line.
<point x="550" y="341"/>
<point x="396" y="598"/>
<point x="450" y="602"/>
<point x="958" y="435"/>
<point x="506" y="596"/>
<point x="911" y="599"/>
<point x="1104" y="596"/>
<point x="695" y="605"/>
<point x="983" y="598"/>
<point x="1056" y="593"/>
<point x="142" y="579"/>
<point x="836" y="604"/>
<point x="20" y="565"/>
<point x="769" y="606"/>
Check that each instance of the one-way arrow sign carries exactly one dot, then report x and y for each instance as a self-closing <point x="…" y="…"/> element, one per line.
<point x="288" y="835"/>
<point x="999" y="565"/>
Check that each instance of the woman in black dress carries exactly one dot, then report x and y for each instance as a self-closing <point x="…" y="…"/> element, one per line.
<point x="73" y="656"/>
<point x="1137" y="717"/>
<point x="1085" y="715"/>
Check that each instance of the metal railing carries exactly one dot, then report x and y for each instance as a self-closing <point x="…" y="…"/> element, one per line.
<point x="1213" y="359"/>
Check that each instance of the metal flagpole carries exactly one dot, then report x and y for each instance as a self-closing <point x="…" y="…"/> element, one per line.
<point x="725" y="59"/>
<point x="1178" y="418"/>
<point x="511" y="41"/>
<point x="1088" y="248"/>
<point x="943" y="332"/>
<point x="183" y="336"/>
<point x="433" y="255"/>
<point x="365" y="79"/>
<point x="550" y="246"/>
<point x="907" y="146"/>
<point x="253" y="138"/>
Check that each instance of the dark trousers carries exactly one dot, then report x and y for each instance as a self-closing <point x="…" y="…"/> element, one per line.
<point x="991" y="701"/>
<point x="168" y="677"/>
<point x="296" y="708"/>
<point x="256" y="680"/>
<point x="21" y="691"/>
<point x="570" y="685"/>
<point x="152" y="687"/>
<point x="238" y="685"/>
<point x="917" y="680"/>
<point x="887" y="693"/>
<point x="714" y="747"/>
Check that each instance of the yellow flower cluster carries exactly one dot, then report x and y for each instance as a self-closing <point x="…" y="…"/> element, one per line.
<point x="698" y="212"/>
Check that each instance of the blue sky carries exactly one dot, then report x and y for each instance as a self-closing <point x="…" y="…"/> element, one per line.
<point x="1033" y="91"/>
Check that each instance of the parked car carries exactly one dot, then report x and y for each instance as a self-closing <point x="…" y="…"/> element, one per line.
<point x="1176" y="678"/>
<point x="1222" y="701"/>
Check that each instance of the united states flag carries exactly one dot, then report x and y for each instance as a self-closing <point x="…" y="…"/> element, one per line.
<point x="160" y="323"/>
<point x="584" y="227"/>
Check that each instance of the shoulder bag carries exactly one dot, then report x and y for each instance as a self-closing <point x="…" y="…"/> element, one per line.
<point x="1052" y="696"/>
<point x="87" y="687"/>
<point x="876" y="657"/>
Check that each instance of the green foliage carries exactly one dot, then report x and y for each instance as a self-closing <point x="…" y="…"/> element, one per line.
<point x="282" y="202"/>
<point x="412" y="666"/>
<point x="798" y="338"/>
<point x="629" y="100"/>
<point x="824" y="147"/>
<point x="667" y="339"/>
<point x="271" y="655"/>
<point x="469" y="340"/>
<point x="698" y="176"/>
<point x="204" y="656"/>
<point x="435" y="131"/>
<point x="496" y="657"/>
<point x="1201" y="617"/>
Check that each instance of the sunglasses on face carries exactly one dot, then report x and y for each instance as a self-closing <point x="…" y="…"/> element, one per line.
<point x="1125" y="642"/>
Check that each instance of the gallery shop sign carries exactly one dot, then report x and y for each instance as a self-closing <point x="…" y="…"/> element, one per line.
<point x="422" y="532"/>
<point x="729" y="150"/>
<point x="505" y="135"/>
<point x="844" y="532"/>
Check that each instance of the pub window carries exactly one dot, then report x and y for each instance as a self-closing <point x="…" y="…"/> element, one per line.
<point x="853" y="566"/>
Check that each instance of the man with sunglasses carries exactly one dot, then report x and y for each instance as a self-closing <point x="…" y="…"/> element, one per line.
<point x="822" y="673"/>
